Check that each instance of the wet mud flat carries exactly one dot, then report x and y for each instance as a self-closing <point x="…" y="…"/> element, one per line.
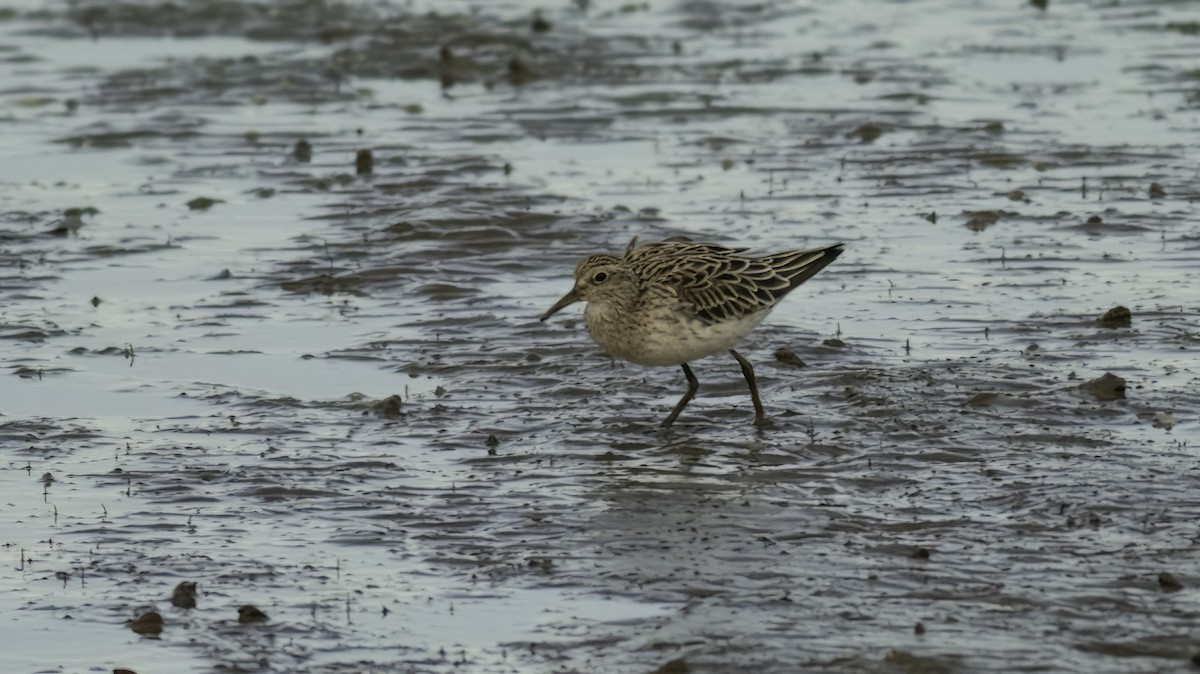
<point x="270" y="278"/>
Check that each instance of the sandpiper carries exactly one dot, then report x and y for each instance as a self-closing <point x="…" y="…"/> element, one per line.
<point x="671" y="302"/>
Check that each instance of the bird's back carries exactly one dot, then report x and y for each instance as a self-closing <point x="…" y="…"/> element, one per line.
<point x="718" y="283"/>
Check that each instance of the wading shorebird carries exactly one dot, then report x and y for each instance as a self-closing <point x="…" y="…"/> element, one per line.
<point x="671" y="302"/>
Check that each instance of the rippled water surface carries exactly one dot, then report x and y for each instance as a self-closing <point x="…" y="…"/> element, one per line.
<point x="232" y="358"/>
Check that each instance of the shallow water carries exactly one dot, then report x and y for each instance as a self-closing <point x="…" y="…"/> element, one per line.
<point x="202" y="392"/>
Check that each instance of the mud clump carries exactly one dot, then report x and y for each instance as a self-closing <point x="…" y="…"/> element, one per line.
<point x="248" y="613"/>
<point x="977" y="221"/>
<point x="1168" y="582"/>
<point x="1106" y="387"/>
<point x="364" y="162"/>
<point x="1117" y="317"/>
<point x="203" y="203"/>
<point x="302" y="152"/>
<point x="388" y="408"/>
<point x="184" y="595"/>
<point x="867" y="133"/>
<point x="149" y="624"/>
<point x="789" y="357"/>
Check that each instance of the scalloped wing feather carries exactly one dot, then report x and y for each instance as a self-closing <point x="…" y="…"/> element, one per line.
<point x="719" y="283"/>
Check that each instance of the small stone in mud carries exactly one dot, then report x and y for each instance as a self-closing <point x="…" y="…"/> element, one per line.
<point x="1168" y="582"/>
<point x="1107" y="387"/>
<point x="518" y="72"/>
<point x="931" y="216"/>
<point x="202" y="203"/>
<point x="980" y="220"/>
<point x="788" y="357"/>
<point x="122" y="670"/>
<point x="80" y="211"/>
<point x="1095" y="221"/>
<point x="919" y="629"/>
<point x="676" y="666"/>
<point x="95" y="301"/>
<point x="834" y="342"/>
<point x="1016" y="195"/>
<point x="389" y="407"/>
<point x="1157" y="191"/>
<point x="149" y="623"/>
<point x="248" y="613"/>
<point x="867" y="133"/>
<point x="920" y="553"/>
<point x="184" y="595"/>
<point x="364" y="162"/>
<point x="303" y="151"/>
<point x="1117" y="317"/>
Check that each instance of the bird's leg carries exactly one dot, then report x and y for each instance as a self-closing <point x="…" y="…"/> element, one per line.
<point x="693" y="384"/>
<point x="748" y="373"/>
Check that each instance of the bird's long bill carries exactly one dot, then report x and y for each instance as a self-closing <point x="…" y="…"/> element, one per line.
<point x="569" y="298"/>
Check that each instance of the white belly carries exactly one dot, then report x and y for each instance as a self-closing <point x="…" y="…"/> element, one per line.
<point x="666" y="337"/>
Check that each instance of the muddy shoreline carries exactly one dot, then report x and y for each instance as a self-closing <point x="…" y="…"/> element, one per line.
<point x="238" y="353"/>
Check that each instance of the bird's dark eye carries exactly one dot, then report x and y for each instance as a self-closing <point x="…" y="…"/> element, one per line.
<point x="600" y="277"/>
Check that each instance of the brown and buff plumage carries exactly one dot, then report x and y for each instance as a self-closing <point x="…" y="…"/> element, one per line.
<point x="671" y="302"/>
